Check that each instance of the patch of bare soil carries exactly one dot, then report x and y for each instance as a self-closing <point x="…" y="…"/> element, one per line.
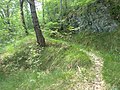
<point x="97" y="82"/>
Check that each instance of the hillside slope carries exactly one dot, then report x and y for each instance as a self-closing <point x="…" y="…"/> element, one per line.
<point x="62" y="64"/>
<point x="82" y="55"/>
<point x="46" y="68"/>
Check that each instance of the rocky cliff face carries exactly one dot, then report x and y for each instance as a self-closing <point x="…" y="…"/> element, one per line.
<point x="95" y="17"/>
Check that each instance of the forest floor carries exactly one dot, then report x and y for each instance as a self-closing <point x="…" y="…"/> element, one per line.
<point x="64" y="64"/>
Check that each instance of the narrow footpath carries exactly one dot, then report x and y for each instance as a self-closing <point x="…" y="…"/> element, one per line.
<point x="97" y="82"/>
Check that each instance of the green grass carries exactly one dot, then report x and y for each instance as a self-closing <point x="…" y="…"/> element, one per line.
<point x="111" y="69"/>
<point x="106" y="41"/>
<point x="11" y="48"/>
<point x="30" y="67"/>
<point x="30" y="80"/>
<point x="108" y="46"/>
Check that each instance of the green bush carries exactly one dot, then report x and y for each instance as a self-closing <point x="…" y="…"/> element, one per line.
<point x="52" y="25"/>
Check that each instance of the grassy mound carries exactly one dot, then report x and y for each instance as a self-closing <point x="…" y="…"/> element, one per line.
<point x="26" y="66"/>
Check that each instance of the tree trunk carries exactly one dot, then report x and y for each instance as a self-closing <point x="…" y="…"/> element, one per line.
<point x="22" y="16"/>
<point x="66" y="5"/>
<point x="61" y="14"/>
<point x="7" y="15"/>
<point x="43" y="13"/>
<point x="39" y="36"/>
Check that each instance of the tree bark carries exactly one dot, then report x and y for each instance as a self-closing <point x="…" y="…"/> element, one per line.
<point x="43" y="12"/>
<point x="8" y="17"/>
<point x="22" y="16"/>
<point x="61" y="14"/>
<point x="66" y="5"/>
<point x="39" y="36"/>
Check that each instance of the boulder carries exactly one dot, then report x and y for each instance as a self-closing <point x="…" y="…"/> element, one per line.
<point x="94" y="17"/>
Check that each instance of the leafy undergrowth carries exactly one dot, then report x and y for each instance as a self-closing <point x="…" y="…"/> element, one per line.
<point x="108" y="46"/>
<point x="26" y="66"/>
<point x="8" y="37"/>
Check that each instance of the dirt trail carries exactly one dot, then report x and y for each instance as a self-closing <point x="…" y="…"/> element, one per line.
<point x="97" y="82"/>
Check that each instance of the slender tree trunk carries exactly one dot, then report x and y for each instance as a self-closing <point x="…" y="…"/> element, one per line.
<point x="8" y="18"/>
<point x="7" y="15"/>
<point x="48" y="13"/>
<point x="22" y="16"/>
<point x="39" y="36"/>
<point x="61" y="14"/>
<point x="66" y="5"/>
<point x="43" y="1"/>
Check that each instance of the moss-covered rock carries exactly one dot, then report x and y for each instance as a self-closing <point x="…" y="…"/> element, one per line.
<point x="94" y="16"/>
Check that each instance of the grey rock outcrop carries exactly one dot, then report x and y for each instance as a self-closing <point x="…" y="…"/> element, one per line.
<point x="94" y="17"/>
